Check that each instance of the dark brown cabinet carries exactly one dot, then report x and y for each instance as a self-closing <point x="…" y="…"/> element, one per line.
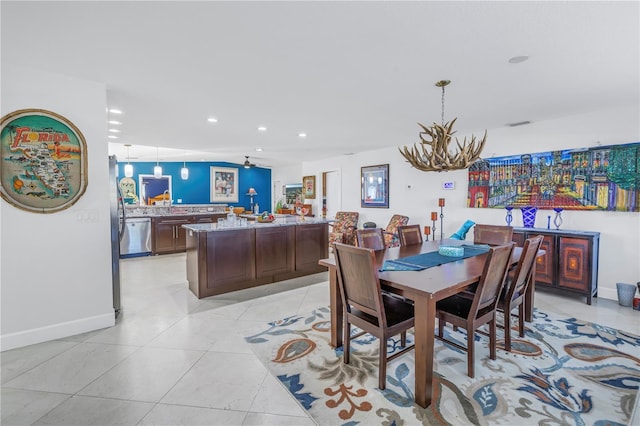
<point x="168" y="234"/>
<point x="220" y="261"/>
<point x="571" y="260"/>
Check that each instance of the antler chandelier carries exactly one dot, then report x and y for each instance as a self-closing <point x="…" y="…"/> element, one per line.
<point x="434" y="155"/>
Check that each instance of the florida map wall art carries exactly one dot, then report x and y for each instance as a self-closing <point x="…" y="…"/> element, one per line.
<point x="598" y="178"/>
<point x="43" y="167"/>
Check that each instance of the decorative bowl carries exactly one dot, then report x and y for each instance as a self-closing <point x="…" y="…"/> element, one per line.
<point x="452" y="251"/>
<point x="261" y="220"/>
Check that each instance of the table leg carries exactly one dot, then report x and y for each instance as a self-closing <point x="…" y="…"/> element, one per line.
<point x="335" y="302"/>
<point x="425" y="318"/>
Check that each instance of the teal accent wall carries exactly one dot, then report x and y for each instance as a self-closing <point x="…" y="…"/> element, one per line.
<point x="197" y="189"/>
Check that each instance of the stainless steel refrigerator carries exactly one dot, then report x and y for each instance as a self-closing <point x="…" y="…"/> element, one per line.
<point x="117" y="226"/>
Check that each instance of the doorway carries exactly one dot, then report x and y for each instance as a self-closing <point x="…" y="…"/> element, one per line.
<point x="332" y="192"/>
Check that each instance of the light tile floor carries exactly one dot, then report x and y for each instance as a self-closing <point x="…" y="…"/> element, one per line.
<point x="173" y="359"/>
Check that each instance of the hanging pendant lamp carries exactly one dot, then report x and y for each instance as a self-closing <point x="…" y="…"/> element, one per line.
<point x="128" y="168"/>
<point x="184" y="171"/>
<point x="157" y="170"/>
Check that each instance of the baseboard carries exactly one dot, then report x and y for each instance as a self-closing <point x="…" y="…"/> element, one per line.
<point x="607" y="293"/>
<point x="55" y="331"/>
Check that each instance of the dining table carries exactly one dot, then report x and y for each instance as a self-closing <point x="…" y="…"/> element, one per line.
<point x="425" y="288"/>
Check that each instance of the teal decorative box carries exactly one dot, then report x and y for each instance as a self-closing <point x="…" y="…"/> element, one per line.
<point x="452" y="251"/>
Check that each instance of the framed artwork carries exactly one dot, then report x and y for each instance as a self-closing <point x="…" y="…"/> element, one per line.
<point x="43" y="166"/>
<point x="375" y="186"/>
<point x="596" y="178"/>
<point x="309" y="187"/>
<point x="224" y="185"/>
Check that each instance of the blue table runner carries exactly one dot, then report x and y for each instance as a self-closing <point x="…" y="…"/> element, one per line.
<point x="428" y="260"/>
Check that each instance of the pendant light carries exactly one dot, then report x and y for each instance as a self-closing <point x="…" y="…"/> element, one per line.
<point x="128" y="168"/>
<point x="184" y="171"/>
<point x="157" y="170"/>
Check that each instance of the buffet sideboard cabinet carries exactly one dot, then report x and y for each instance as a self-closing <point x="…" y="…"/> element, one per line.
<point x="571" y="260"/>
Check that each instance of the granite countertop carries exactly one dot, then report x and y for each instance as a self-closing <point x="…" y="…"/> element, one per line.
<point x="283" y="220"/>
<point x="175" y="210"/>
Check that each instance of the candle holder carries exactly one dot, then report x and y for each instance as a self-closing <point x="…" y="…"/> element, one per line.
<point x="434" y="218"/>
<point x="509" y="217"/>
<point x="557" y="221"/>
<point x="427" y="231"/>
<point x="441" y="205"/>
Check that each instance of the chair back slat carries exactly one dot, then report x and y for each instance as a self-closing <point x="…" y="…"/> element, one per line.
<point x="409" y="235"/>
<point x="526" y="264"/>
<point x="492" y="279"/>
<point x="494" y="235"/>
<point x="358" y="280"/>
<point x="372" y="238"/>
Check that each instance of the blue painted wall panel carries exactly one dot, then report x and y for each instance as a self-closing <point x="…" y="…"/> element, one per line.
<point x="197" y="189"/>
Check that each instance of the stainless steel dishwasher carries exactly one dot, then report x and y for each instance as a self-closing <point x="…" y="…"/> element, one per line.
<point x="136" y="239"/>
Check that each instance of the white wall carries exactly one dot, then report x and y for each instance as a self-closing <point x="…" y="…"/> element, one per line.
<point x="415" y="193"/>
<point x="56" y="268"/>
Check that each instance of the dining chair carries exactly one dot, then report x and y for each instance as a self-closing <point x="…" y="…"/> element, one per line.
<point x="372" y="238"/>
<point x="470" y="314"/>
<point x="391" y="238"/>
<point x="493" y="235"/>
<point x="367" y="307"/>
<point x="514" y="291"/>
<point x="343" y="228"/>
<point x="409" y="235"/>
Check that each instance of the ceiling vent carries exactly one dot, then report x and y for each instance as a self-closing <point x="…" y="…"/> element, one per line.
<point x="519" y="123"/>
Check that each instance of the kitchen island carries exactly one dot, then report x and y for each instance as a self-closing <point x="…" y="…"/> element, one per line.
<point x="230" y="258"/>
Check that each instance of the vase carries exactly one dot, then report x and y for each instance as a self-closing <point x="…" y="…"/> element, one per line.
<point x="529" y="216"/>
<point x="509" y="216"/>
<point x="557" y="221"/>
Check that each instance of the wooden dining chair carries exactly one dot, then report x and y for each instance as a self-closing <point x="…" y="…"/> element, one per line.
<point x="494" y="235"/>
<point x="367" y="307"/>
<point x="409" y="235"/>
<point x="515" y="289"/>
<point x="470" y="314"/>
<point x="372" y="238"/>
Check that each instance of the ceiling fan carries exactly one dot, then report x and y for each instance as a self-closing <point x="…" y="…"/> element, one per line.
<point x="247" y="164"/>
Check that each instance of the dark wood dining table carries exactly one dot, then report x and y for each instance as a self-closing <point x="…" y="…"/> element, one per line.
<point x="425" y="288"/>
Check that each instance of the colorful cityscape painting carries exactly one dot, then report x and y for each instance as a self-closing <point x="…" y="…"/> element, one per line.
<point x="598" y="178"/>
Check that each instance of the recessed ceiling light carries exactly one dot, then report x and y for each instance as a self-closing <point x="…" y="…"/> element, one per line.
<point x="115" y="111"/>
<point x="212" y="120"/>
<point x="114" y="130"/>
<point x="262" y="129"/>
<point x="302" y="135"/>
<point x="113" y="137"/>
<point x="114" y="122"/>
<point x="259" y="149"/>
<point x="518" y="59"/>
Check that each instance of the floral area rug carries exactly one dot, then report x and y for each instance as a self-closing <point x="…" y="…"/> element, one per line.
<point x="564" y="371"/>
